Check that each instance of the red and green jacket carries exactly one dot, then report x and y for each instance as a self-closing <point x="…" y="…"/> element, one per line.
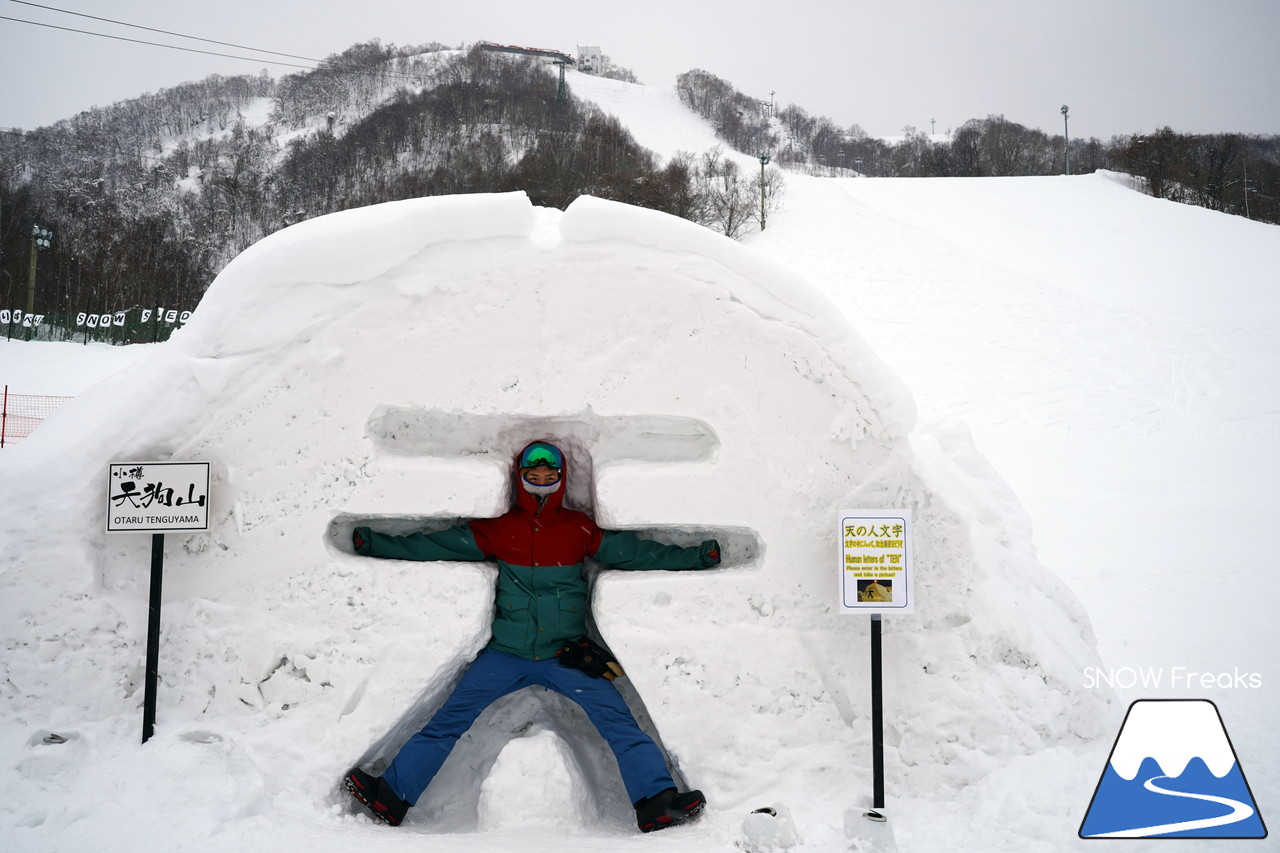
<point x="541" y="601"/>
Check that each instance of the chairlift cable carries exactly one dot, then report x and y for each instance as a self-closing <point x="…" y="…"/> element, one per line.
<point x="164" y="32"/>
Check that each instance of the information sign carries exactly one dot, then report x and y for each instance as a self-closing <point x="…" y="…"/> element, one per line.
<point x="875" y="561"/>
<point x="158" y="497"/>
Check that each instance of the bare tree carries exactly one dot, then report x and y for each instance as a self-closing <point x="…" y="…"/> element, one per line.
<point x="728" y="195"/>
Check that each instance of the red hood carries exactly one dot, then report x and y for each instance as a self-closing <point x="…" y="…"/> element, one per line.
<point x="529" y="502"/>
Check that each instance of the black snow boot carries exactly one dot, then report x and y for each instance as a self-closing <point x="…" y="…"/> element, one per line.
<point x="667" y="808"/>
<point x="374" y="792"/>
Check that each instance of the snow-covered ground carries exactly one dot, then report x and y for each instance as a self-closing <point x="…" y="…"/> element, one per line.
<point x="1115" y="357"/>
<point x="62" y="369"/>
<point x="1106" y="361"/>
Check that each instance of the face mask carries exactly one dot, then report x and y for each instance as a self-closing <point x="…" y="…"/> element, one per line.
<point x="540" y="491"/>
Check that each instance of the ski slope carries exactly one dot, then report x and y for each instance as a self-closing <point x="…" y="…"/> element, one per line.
<point x="1133" y="408"/>
<point x="1115" y="357"/>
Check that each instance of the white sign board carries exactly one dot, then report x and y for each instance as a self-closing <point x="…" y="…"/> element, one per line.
<point x="157" y="497"/>
<point x="875" y="561"/>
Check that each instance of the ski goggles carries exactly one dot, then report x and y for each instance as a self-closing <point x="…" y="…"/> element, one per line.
<point x="541" y="453"/>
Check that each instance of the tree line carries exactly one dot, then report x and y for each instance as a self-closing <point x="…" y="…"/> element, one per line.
<point x="1233" y="173"/>
<point x="148" y="199"/>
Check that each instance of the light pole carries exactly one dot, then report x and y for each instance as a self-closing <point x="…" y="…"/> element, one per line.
<point x="41" y="238"/>
<point x="1066" y="140"/>
<point x="764" y="161"/>
<point x="763" y="157"/>
<point x="1244" y="164"/>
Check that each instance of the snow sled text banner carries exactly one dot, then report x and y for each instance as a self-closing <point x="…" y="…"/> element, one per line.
<point x="875" y="561"/>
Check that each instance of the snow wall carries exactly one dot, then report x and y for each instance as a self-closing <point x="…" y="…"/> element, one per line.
<point x="381" y="366"/>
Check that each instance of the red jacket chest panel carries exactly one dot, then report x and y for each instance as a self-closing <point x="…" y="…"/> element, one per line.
<point x="554" y="537"/>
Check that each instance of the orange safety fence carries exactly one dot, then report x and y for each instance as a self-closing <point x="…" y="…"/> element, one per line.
<point x="22" y="413"/>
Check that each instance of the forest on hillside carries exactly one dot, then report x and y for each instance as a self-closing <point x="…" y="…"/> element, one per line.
<point x="115" y="221"/>
<point x="1229" y="172"/>
<point x="148" y="199"/>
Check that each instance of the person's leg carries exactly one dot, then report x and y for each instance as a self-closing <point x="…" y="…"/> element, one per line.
<point x="491" y="676"/>
<point x="644" y="772"/>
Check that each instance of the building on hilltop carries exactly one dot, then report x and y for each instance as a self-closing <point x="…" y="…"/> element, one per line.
<point x="590" y="60"/>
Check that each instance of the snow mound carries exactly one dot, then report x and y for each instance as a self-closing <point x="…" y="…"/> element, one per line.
<point x="380" y="366"/>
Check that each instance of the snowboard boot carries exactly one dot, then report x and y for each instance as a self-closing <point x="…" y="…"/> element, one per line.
<point x="376" y="794"/>
<point x="667" y="808"/>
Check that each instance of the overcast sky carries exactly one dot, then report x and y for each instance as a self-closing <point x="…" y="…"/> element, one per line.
<point x="1122" y="66"/>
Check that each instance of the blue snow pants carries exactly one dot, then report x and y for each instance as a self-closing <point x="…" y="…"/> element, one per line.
<point x="495" y="674"/>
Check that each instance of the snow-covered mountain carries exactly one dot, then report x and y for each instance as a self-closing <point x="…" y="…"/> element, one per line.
<point x="1172" y="733"/>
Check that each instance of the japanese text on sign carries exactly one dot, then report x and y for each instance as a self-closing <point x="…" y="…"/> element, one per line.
<point x="156" y="497"/>
<point x="875" y="561"/>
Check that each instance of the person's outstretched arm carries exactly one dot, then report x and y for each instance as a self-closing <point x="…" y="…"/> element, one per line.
<point x="456" y="543"/>
<point x="623" y="550"/>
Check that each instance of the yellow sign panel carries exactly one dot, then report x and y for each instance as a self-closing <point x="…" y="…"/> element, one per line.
<point x="875" y="561"/>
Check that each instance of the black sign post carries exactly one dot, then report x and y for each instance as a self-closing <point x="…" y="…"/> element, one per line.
<point x="876" y="577"/>
<point x="153" y="637"/>
<point x="877" y="723"/>
<point x="874" y="834"/>
<point x="155" y="497"/>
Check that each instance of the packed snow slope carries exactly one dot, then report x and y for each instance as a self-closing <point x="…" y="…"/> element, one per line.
<point x="380" y="366"/>
<point x="1115" y="357"/>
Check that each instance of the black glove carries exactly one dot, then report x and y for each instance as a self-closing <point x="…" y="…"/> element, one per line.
<point x="709" y="553"/>
<point x="589" y="657"/>
<point x="362" y="540"/>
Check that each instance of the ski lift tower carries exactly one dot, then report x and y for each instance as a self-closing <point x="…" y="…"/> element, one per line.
<point x="555" y="57"/>
<point x="561" y="91"/>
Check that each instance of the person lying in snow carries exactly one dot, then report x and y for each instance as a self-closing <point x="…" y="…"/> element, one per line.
<point x="539" y="637"/>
